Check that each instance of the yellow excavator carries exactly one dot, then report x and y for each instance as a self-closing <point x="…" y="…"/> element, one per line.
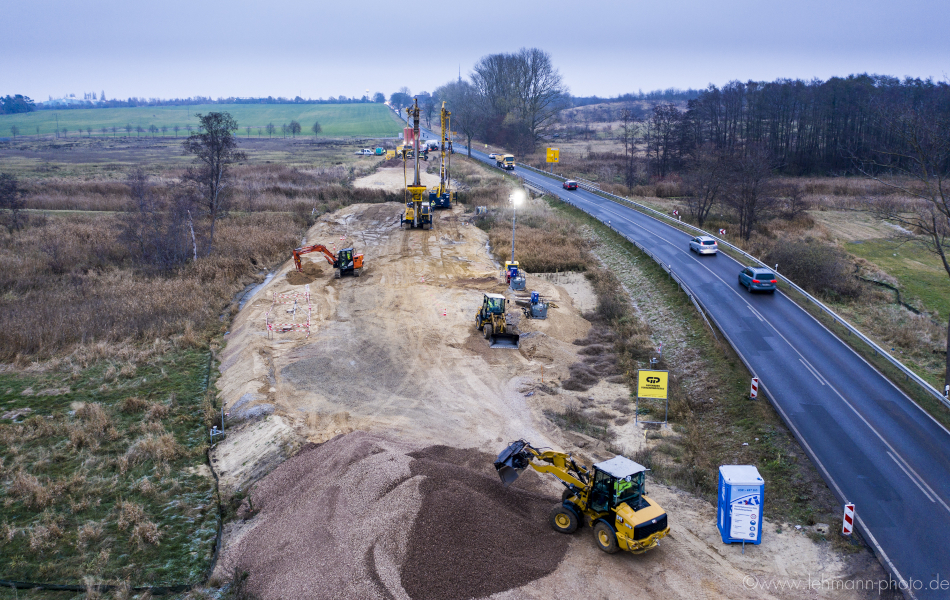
<point x="611" y="499"/>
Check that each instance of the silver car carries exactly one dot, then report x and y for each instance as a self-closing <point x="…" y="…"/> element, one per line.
<point x="703" y="245"/>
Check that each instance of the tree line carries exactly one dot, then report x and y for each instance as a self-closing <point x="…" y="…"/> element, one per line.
<point x="813" y="127"/>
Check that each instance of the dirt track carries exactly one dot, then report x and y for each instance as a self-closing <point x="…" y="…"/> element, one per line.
<point x="395" y="353"/>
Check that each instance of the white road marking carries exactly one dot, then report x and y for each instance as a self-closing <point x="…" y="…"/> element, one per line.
<point x="911" y="477"/>
<point x="812" y="370"/>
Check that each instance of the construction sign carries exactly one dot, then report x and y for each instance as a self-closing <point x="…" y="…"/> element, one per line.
<point x="652" y="384"/>
<point x="553" y="155"/>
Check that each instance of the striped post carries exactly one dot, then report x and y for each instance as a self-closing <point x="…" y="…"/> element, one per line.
<point x="848" y="522"/>
<point x="755" y="389"/>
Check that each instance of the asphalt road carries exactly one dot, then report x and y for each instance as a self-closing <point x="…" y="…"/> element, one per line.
<point x="873" y="445"/>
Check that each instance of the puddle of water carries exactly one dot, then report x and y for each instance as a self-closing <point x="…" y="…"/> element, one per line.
<point x="252" y="289"/>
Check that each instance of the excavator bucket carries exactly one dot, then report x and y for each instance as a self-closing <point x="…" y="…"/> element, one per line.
<point x="505" y="340"/>
<point x="511" y="462"/>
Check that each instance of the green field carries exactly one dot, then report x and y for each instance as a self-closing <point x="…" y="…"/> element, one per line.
<point x="337" y="120"/>
<point x="920" y="273"/>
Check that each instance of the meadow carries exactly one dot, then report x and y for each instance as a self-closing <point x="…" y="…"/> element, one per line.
<point x="337" y="120"/>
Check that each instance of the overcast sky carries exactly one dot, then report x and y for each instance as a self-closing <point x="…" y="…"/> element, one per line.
<point x="180" y="48"/>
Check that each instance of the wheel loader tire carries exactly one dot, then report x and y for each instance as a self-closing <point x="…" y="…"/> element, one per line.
<point x="563" y="519"/>
<point x="606" y="537"/>
<point x="478" y="324"/>
<point x="488" y="331"/>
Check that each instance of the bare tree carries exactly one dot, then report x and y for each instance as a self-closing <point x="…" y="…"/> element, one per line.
<point x="128" y="129"/>
<point x="154" y="230"/>
<point x="316" y="129"/>
<point x="65" y="132"/>
<point x="463" y="101"/>
<point x="152" y="129"/>
<point x="164" y="130"/>
<point x="750" y="190"/>
<point x="283" y="130"/>
<point x="176" y="129"/>
<point x="628" y="129"/>
<point x="88" y="131"/>
<point x="428" y="107"/>
<point x="916" y="163"/>
<point x="705" y="181"/>
<point x="247" y="128"/>
<point x="104" y="131"/>
<point x="522" y="93"/>
<point x="139" y="130"/>
<point x="15" y="131"/>
<point x="270" y="129"/>
<point x="11" y="201"/>
<point x="294" y="128"/>
<point x="215" y="150"/>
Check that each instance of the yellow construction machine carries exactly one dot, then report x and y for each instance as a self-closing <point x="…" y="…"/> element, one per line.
<point x="611" y="499"/>
<point x="442" y="197"/>
<point x="505" y="161"/>
<point x="492" y="320"/>
<point x="418" y="211"/>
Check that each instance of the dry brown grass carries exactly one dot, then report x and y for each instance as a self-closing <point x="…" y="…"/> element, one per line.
<point x="159" y="449"/>
<point x="30" y="490"/>
<point x="132" y="405"/>
<point x="70" y="282"/>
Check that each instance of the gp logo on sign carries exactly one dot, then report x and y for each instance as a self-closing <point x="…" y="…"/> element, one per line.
<point x="652" y="384"/>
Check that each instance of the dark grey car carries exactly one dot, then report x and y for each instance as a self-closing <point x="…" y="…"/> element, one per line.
<point x="758" y="279"/>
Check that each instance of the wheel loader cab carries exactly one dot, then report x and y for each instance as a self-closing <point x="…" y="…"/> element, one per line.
<point x="617" y="481"/>
<point x="494" y="304"/>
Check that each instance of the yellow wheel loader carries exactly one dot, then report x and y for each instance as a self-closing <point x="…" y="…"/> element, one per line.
<point x="610" y="498"/>
<point x="492" y="320"/>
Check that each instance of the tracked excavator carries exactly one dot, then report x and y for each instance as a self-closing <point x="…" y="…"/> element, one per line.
<point x="609" y="498"/>
<point x="492" y="320"/>
<point x="418" y="211"/>
<point x="344" y="262"/>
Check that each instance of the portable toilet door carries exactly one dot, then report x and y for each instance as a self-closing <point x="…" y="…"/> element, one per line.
<point x="739" y="499"/>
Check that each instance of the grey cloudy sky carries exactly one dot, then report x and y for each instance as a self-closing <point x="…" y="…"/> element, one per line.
<point x="180" y="48"/>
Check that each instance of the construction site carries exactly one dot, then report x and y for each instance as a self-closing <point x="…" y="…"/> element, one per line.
<point x="367" y="407"/>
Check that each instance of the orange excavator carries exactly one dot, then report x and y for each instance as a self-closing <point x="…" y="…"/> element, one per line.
<point x="345" y="260"/>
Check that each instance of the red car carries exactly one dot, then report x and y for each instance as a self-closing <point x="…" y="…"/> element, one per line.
<point x="570" y="184"/>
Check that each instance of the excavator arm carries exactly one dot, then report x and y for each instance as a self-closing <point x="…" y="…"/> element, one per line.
<point x="520" y="455"/>
<point x="307" y="250"/>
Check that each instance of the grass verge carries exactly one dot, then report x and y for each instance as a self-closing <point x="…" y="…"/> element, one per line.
<point x="104" y="471"/>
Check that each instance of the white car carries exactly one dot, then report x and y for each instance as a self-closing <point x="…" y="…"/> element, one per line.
<point x="703" y="245"/>
<point x="492" y="155"/>
<point x="364" y="152"/>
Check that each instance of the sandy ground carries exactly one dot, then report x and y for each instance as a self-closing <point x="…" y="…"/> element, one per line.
<point x="394" y="354"/>
<point x="393" y="178"/>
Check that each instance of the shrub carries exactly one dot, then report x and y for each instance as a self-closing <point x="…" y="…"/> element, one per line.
<point x="817" y="267"/>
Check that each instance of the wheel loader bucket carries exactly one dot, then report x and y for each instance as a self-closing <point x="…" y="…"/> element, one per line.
<point x="505" y="340"/>
<point x="511" y="462"/>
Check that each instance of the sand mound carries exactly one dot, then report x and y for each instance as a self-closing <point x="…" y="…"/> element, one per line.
<point x="333" y="522"/>
<point x="363" y="516"/>
<point x="473" y="537"/>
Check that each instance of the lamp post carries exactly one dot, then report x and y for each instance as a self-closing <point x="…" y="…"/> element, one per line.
<point x="516" y="198"/>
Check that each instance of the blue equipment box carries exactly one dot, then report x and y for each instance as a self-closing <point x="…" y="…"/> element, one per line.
<point x="739" y="509"/>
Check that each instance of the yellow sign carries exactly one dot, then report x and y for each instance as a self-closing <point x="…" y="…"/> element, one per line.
<point x="652" y="384"/>
<point x="553" y="154"/>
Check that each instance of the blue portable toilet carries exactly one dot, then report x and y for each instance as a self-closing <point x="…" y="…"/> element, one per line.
<point x="741" y="490"/>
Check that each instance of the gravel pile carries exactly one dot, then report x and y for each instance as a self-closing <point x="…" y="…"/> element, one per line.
<point x="472" y="537"/>
<point x="333" y="522"/>
<point x="364" y="516"/>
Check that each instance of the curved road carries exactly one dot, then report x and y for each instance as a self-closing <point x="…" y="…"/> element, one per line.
<point x="873" y="445"/>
